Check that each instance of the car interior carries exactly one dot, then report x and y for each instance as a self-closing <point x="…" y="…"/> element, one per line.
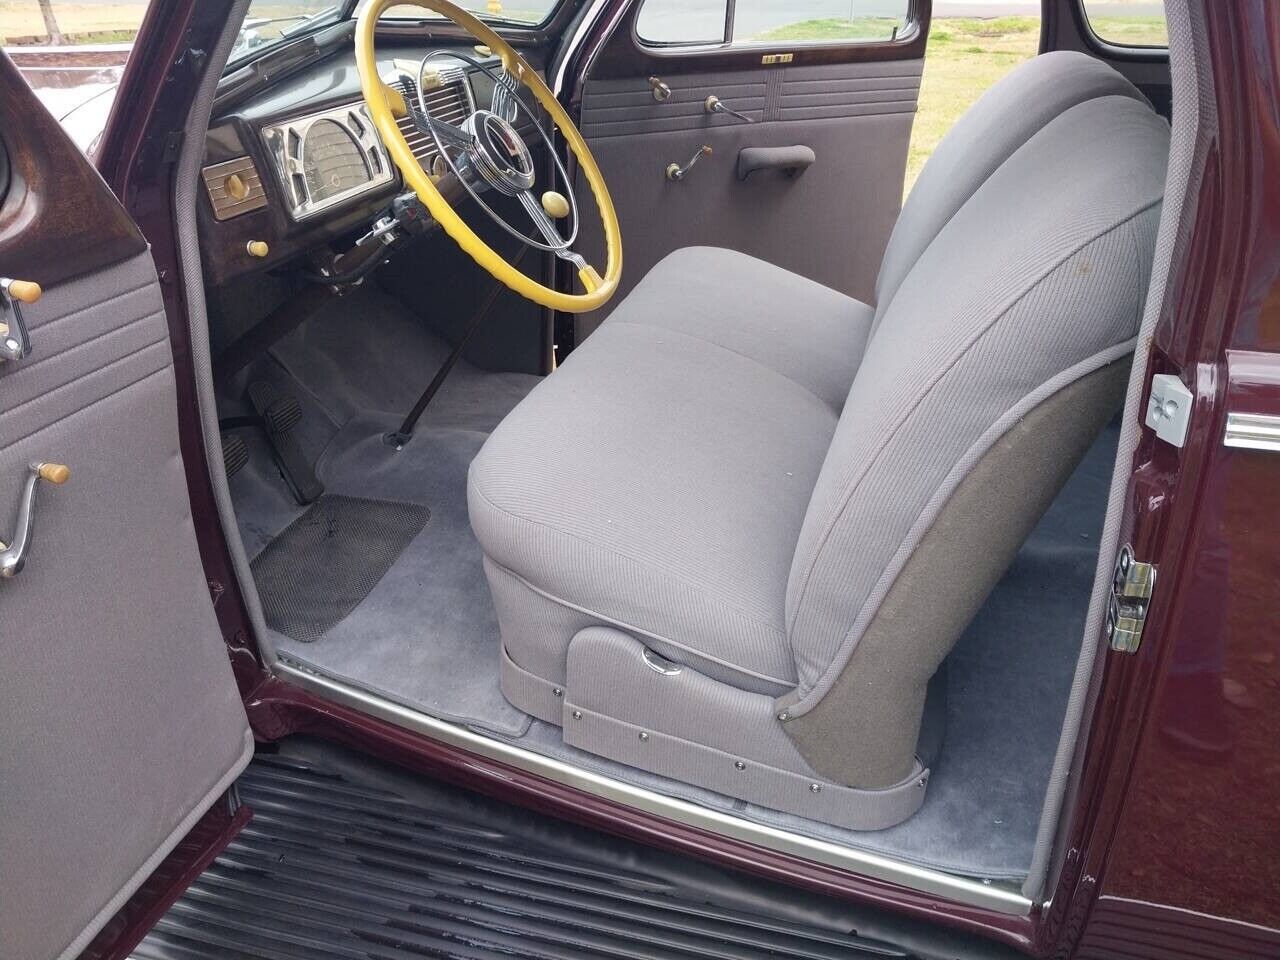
<point x="743" y="483"/>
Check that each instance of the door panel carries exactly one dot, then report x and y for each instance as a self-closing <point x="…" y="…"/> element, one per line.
<point x="831" y="223"/>
<point x="121" y="720"/>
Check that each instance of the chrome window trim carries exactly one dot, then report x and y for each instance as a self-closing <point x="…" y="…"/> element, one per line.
<point x="1252" y="431"/>
<point x="990" y="895"/>
<point x="355" y="120"/>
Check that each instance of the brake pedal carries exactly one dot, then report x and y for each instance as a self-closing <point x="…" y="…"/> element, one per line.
<point x="235" y="454"/>
<point x="280" y="414"/>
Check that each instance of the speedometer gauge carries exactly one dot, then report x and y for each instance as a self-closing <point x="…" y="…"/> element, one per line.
<point x="327" y="159"/>
<point x="332" y="161"/>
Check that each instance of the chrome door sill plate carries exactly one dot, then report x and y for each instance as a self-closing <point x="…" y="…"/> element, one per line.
<point x="990" y="895"/>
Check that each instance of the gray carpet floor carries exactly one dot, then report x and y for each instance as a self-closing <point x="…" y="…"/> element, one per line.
<point x="427" y="635"/>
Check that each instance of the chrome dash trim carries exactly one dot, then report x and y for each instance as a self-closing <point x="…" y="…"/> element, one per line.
<point x="994" y="895"/>
<point x="285" y="141"/>
<point x="1253" y="431"/>
<point x="226" y="206"/>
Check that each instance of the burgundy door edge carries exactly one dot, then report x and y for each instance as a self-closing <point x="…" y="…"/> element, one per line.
<point x="190" y="858"/>
<point x="1171" y="493"/>
<point x="137" y="158"/>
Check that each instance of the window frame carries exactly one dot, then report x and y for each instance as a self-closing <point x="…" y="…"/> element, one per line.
<point x="1108" y="48"/>
<point x="911" y="27"/>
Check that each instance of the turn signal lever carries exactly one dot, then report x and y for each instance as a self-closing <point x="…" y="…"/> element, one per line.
<point x="13" y="558"/>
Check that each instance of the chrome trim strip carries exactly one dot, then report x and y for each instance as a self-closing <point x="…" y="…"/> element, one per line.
<point x="975" y="893"/>
<point x="286" y="142"/>
<point x="1253" y="431"/>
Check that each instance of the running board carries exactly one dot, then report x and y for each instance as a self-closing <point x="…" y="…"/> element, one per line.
<point x="336" y="865"/>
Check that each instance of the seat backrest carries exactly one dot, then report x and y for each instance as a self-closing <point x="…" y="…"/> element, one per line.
<point x="1020" y="308"/>
<point x="997" y="125"/>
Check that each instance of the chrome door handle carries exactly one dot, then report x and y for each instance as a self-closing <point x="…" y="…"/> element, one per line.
<point x="13" y="558"/>
<point x="14" y="342"/>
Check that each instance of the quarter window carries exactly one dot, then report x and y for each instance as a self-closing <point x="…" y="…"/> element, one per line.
<point x="1128" y="24"/>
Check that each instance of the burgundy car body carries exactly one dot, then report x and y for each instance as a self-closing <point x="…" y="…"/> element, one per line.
<point x="1165" y="851"/>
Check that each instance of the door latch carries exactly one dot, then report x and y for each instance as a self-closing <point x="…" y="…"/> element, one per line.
<point x="1131" y="588"/>
<point x="13" y="558"/>
<point x="14" y="342"/>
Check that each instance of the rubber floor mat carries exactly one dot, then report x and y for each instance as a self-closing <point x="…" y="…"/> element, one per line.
<point x="337" y="865"/>
<point x="329" y="559"/>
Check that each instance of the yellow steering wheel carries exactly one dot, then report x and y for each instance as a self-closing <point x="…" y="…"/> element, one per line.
<point x="487" y="154"/>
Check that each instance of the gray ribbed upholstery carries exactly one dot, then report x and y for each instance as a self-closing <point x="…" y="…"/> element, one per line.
<point x="698" y="477"/>
<point x="650" y="418"/>
<point x="992" y="130"/>
<point x="1041" y="272"/>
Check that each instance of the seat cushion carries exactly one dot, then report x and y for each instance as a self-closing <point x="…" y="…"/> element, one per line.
<point x="658" y="480"/>
<point x="800" y="329"/>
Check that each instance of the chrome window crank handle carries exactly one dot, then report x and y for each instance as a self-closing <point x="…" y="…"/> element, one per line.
<point x="13" y="558"/>
<point x="677" y="172"/>
<point x="14" y="342"/>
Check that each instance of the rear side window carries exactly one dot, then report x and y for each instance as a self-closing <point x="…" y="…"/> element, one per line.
<point x="770" y="21"/>
<point x="1128" y="24"/>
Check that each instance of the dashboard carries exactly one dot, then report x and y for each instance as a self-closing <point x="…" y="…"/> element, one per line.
<point x="298" y="163"/>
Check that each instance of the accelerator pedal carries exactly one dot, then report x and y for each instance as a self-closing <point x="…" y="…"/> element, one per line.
<point x="235" y="454"/>
<point x="280" y="414"/>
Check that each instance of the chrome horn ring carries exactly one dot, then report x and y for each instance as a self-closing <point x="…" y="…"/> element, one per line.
<point x="470" y="168"/>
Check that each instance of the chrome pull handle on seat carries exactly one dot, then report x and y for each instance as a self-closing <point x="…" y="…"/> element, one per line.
<point x="14" y="342"/>
<point x="714" y="104"/>
<point x="13" y="558"/>
<point x="677" y="172"/>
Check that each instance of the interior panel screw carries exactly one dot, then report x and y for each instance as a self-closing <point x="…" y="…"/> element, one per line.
<point x="739" y="765"/>
<point x="577" y="714"/>
<point x="557" y="692"/>
<point x="644" y="737"/>
<point x="815" y="788"/>
<point x="784" y="716"/>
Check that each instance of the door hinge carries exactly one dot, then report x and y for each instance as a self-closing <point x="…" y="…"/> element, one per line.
<point x="1131" y="588"/>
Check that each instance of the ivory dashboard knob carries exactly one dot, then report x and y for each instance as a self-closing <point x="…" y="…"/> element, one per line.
<point x="257" y="248"/>
<point x="235" y="186"/>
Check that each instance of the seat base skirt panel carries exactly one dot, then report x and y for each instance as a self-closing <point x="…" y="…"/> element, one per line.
<point x="530" y="693"/>
<point x="628" y="728"/>
<point x="754" y="782"/>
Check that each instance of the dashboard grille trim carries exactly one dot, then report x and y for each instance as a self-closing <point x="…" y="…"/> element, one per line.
<point x="225" y="206"/>
<point x="448" y="102"/>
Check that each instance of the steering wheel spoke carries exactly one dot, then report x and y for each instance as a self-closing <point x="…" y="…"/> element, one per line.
<point x="542" y="220"/>
<point x="505" y="101"/>
<point x="449" y="135"/>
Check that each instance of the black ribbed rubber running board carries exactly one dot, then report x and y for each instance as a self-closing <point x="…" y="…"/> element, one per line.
<point x="333" y="867"/>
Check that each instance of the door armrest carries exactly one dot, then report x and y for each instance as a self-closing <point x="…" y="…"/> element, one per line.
<point x="792" y="160"/>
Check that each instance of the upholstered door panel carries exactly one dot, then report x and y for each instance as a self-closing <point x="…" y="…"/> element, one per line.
<point x="829" y="221"/>
<point x="120" y="721"/>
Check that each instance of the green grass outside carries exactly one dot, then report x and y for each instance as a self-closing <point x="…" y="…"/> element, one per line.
<point x="965" y="56"/>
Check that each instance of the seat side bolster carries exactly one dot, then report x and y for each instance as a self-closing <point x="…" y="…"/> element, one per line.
<point x="863" y="732"/>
